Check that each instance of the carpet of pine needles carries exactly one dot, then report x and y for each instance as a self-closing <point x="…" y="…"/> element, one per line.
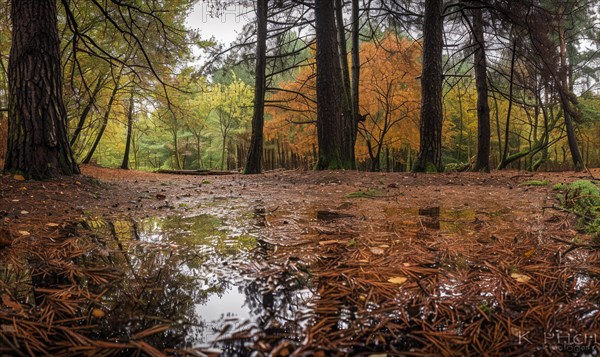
<point x="488" y="283"/>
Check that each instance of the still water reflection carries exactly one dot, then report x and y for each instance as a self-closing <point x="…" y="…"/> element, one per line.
<point x="186" y="275"/>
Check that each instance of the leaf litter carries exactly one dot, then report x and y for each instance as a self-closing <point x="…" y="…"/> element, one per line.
<point x="396" y="279"/>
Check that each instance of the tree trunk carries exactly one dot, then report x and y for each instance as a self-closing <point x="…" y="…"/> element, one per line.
<point x="87" y="109"/>
<point x="125" y="164"/>
<point x="504" y="162"/>
<point x="355" y="73"/>
<point x="38" y="146"/>
<point x="348" y="136"/>
<point x="430" y="155"/>
<point x="483" y="108"/>
<point x="224" y="153"/>
<point x="253" y="164"/>
<point x="564" y="98"/>
<point x="111" y="100"/>
<point x="329" y="111"/>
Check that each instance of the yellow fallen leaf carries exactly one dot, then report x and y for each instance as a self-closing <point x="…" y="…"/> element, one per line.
<point x="52" y="224"/>
<point x="19" y="177"/>
<point x="398" y="280"/>
<point x="24" y="233"/>
<point x="98" y="313"/>
<point x="529" y="253"/>
<point x="521" y="278"/>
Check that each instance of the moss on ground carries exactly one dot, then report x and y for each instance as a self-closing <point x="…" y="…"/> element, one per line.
<point x="583" y="198"/>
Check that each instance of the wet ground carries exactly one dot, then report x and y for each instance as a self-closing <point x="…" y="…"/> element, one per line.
<point x="322" y="264"/>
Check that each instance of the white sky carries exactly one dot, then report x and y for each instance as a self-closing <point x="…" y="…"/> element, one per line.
<point x="225" y="27"/>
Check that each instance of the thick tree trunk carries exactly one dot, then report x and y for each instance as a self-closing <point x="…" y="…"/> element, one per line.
<point x="329" y="90"/>
<point x="430" y="155"/>
<point x="38" y="145"/>
<point x="253" y="163"/>
<point x="348" y="136"/>
<point x="125" y="164"/>
<point x="483" y="108"/>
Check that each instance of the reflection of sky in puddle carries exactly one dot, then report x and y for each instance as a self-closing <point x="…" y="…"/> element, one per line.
<point x="188" y="272"/>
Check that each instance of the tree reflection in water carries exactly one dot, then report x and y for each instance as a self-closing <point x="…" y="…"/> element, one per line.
<point x="176" y="271"/>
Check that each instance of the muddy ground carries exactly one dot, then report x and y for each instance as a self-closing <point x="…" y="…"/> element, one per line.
<point x="366" y="263"/>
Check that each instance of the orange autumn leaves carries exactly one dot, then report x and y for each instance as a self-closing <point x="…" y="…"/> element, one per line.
<point x="389" y="97"/>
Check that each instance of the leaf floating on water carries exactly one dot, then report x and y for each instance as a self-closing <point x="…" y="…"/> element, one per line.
<point x="98" y="313"/>
<point x="398" y="280"/>
<point x="521" y="278"/>
<point x="19" y="177"/>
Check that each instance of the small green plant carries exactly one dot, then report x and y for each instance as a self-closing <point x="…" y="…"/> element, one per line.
<point x="583" y="198"/>
<point x="560" y="186"/>
<point x="365" y="194"/>
<point x="486" y="308"/>
<point x="535" y="183"/>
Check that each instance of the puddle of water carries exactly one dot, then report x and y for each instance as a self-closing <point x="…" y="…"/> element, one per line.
<point x="435" y="218"/>
<point x="187" y="272"/>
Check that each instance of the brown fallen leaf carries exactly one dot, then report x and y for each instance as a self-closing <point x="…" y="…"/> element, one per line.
<point x="7" y="301"/>
<point x="52" y="225"/>
<point x="19" y="177"/>
<point x="24" y="233"/>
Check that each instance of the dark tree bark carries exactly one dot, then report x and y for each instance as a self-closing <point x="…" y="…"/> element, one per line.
<point x="483" y="108"/>
<point x="253" y="163"/>
<point x="504" y="161"/>
<point x="38" y="146"/>
<point x="564" y="94"/>
<point x="125" y="164"/>
<point x="329" y="90"/>
<point x="355" y="53"/>
<point x="87" y="109"/>
<point x="348" y="127"/>
<point x="430" y="155"/>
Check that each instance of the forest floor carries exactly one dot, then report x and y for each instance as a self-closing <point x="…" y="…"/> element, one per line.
<point x="341" y="262"/>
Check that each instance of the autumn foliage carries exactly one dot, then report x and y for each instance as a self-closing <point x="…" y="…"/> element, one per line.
<point x="389" y="102"/>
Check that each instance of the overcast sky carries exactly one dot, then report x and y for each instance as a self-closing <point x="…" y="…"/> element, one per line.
<point x="224" y="27"/>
